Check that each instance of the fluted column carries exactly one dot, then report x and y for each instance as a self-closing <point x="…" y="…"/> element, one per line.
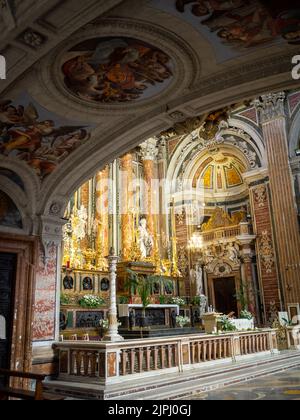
<point x="102" y="218"/>
<point x="149" y="153"/>
<point x="271" y="109"/>
<point x="126" y="205"/>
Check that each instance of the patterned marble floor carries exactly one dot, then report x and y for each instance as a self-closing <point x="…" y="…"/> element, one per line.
<point x="283" y="386"/>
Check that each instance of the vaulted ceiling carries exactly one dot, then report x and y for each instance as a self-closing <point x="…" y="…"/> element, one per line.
<point x="96" y="78"/>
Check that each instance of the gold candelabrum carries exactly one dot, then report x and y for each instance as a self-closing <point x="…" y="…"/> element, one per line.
<point x="135" y="252"/>
<point x="174" y="266"/>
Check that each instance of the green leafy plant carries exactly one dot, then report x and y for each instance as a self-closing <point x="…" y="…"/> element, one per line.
<point x="225" y="324"/>
<point x="90" y="301"/>
<point x="162" y="300"/>
<point x="123" y="300"/>
<point x="65" y="299"/>
<point x="246" y="315"/>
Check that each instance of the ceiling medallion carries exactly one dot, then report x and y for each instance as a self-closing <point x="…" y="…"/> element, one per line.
<point x="110" y="70"/>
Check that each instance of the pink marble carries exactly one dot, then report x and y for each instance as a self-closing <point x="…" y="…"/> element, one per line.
<point x="45" y="298"/>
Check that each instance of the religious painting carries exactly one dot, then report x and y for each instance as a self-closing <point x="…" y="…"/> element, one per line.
<point x="9" y="214"/>
<point x="237" y="26"/>
<point x="40" y="138"/>
<point x="116" y="70"/>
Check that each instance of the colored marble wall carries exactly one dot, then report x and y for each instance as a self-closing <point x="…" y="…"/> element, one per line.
<point x="45" y="298"/>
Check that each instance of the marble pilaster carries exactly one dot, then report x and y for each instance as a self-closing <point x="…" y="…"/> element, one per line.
<point x="271" y="109"/>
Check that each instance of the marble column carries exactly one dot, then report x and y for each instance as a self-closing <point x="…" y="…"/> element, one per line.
<point x="271" y="109"/>
<point x="246" y="240"/>
<point x="102" y="218"/>
<point x="149" y="153"/>
<point x="127" y="205"/>
<point x="113" y="331"/>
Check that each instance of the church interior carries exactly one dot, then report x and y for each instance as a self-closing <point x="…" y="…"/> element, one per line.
<point x="149" y="198"/>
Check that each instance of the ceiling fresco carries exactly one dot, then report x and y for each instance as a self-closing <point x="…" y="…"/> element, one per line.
<point x="116" y="70"/>
<point x="235" y="27"/>
<point x="30" y="133"/>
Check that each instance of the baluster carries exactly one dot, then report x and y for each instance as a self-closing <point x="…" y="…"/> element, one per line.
<point x="141" y="359"/>
<point x="148" y="359"/>
<point x="176" y="356"/>
<point x="264" y="343"/>
<point x="199" y="351"/>
<point x="225" y="348"/>
<point x="204" y="351"/>
<point x="78" y="363"/>
<point x="253" y="343"/>
<point x="132" y="361"/>
<point x="221" y="345"/>
<point x="72" y="362"/>
<point x="162" y="356"/>
<point x="169" y="356"/>
<point x="193" y="351"/>
<point x="215" y="344"/>
<point x="210" y="350"/>
<point x="124" y="362"/>
<point x="93" y="364"/>
<point x="155" y="354"/>
<point x="86" y="363"/>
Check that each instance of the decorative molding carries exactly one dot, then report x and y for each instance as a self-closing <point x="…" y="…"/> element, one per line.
<point x="261" y="196"/>
<point x="266" y="251"/>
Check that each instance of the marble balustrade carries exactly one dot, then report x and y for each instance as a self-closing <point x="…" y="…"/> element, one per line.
<point x="107" y="363"/>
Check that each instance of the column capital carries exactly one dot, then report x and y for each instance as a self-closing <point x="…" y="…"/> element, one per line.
<point x="149" y="149"/>
<point x="270" y="107"/>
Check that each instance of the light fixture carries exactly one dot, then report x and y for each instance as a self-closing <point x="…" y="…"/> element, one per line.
<point x="196" y="242"/>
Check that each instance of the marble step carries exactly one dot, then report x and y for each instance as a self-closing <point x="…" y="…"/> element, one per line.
<point x="182" y="385"/>
<point x="217" y="380"/>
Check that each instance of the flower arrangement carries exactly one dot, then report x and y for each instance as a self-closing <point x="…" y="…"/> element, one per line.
<point x="104" y="323"/>
<point x="226" y="324"/>
<point x="182" y="321"/>
<point x="246" y="315"/>
<point x="90" y="301"/>
<point x="178" y="301"/>
<point x="199" y="300"/>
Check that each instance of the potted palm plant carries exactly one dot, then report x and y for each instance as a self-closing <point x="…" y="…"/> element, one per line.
<point x="143" y="287"/>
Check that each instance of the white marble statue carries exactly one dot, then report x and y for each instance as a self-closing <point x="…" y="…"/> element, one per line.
<point x="233" y="253"/>
<point x="196" y="275"/>
<point x="146" y="242"/>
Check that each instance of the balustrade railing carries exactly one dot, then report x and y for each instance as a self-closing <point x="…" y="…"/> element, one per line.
<point x="108" y="362"/>
<point x="222" y="233"/>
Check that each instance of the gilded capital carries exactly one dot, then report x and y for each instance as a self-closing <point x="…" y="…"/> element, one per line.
<point x="149" y="149"/>
<point x="270" y="107"/>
